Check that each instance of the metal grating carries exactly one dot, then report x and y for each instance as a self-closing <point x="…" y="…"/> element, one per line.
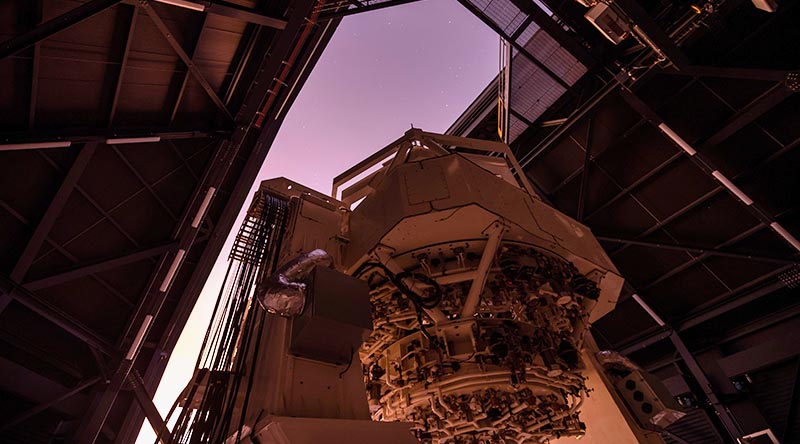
<point x="694" y="428"/>
<point x="772" y="390"/>
<point x="534" y="88"/>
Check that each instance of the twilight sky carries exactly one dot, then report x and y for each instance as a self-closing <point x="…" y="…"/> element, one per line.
<point x="421" y="63"/>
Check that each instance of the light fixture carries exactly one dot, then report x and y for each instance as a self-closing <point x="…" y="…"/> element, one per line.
<point x="204" y="206"/>
<point x="649" y="310"/>
<point x="137" y="341"/>
<point x="173" y="268"/>
<point x="125" y="140"/>
<point x="35" y="145"/>
<point x="732" y="187"/>
<point x="786" y="235"/>
<point x="677" y="139"/>
<point x="184" y="4"/>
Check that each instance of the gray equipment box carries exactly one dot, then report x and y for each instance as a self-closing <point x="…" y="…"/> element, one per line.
<point x="336" y="319"/>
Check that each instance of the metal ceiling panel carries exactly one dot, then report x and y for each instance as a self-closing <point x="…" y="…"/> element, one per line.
<point x="89" y="228"/>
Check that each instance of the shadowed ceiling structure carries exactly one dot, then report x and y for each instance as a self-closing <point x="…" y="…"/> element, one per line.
<point x="131" y="134"/>
<point x="133" y="130"/>
<point x="686" y="171"/>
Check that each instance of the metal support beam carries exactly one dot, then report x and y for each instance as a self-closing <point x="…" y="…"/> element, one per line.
<point x="34" y="98"/>
<point x="52" y="26"/>
<point x="731" y="304"/>
<point x="144" y="183"/>
<point x="167" y="34"/>
<point x="556" y="31"/>
<point x="697" y="372"/>
<point x="98" y="409"/>
<point x="722" y="304"/>
<point x="97" y="267"/>
<point x="654" y="32"/>
<point x="698" y="250"/>
<point x="628" y="189"/>
<point x="54" y="315"/>
<point x="706" y="166"/>
<point x="574" y="118"/>
<point x="11" y="422"/>
<point x="587" y="160"/>
<point x="105" y="213"/>
<point x="232" y="10"/>
<point x="123" y="64"/>
<point x="522" y="50"/>
<point x="253" y="141"/>
<point x="646" y="342"/>
<point x="145" y="401"/>
<point x="767" y="75"/>
<point x="235" y="11"/>
<point x="46" y="137"/>
<point x="188" y="74"/>
<point x="752" y="111"/>
<point x="374" y="6"/>
<point x="53" y="211"/>
<point x="122" y="202"/>
<point x="704" y="255"/>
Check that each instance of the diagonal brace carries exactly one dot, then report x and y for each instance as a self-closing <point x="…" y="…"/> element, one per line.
<point x="162" y="28"/>
<point x="52" y="26"/>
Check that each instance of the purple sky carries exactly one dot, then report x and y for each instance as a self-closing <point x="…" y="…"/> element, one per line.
<point x="421" y="63"/>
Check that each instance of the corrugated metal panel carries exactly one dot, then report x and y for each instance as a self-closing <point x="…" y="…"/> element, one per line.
<point x="556" y="58"/>
<point x="772" y="390"/>
<point x="515" y="128"/>
<point x="532" y="90"/>
<point x="695" y="427"/>
<point x="502" y="12"/>
<point x="528" y="33"/>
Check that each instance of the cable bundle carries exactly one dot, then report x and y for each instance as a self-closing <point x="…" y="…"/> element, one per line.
<point x="235" y="322"/>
